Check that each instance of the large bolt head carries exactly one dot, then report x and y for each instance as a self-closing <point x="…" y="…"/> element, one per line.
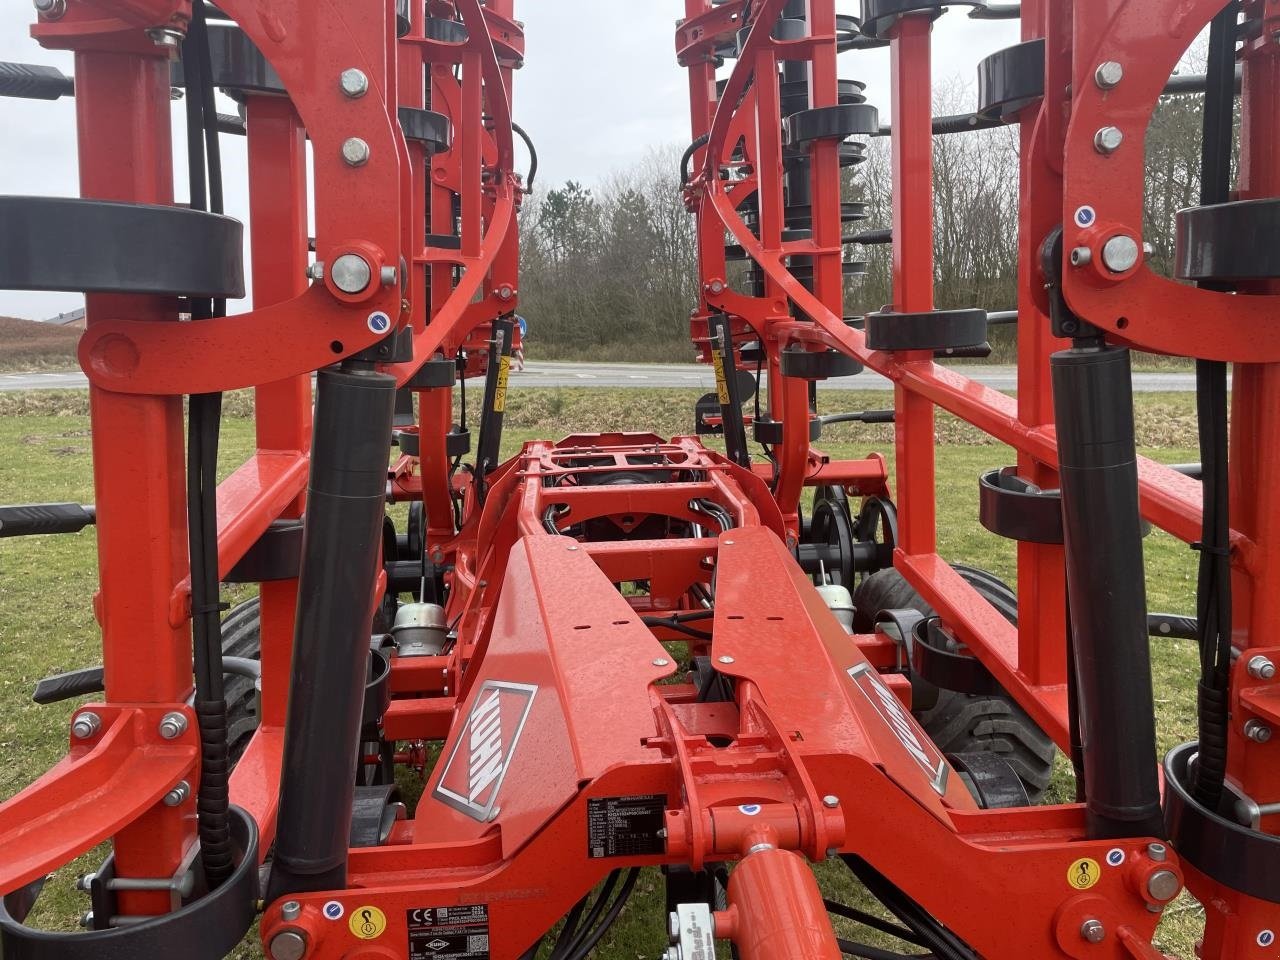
<point x="288" y="945"/>
<point x="355" y="152"/>
<point x="830" y="801"/>
<point x="1108" y="75"/>
<point x="173" y="725"/>
<point x="1261" y="668"/>
<point x="51" y="9"/>
<point x="1121" y="253"/>
<point x="1093" y="931"/>
<point x="1163" y="886"/>
<point x="351" y="273"/>
<point x="354" y="83"/>
<point x="178" y="794"/>
<point x="291" y="910"/>
<point x="1107" y="140"/>
<point x="86" y="725"/>
<point x="673" y="926"/>
<point x="1257" y="731"/>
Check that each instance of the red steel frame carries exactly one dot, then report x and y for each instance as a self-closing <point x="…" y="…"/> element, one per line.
<point x="821" y="755"/>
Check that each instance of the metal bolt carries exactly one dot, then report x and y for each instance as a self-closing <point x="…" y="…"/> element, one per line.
<point x="1157" y="851"/>
<point x="351" y="273"/>
<point x="1093" y="931"/>
<point x="673" y="953"/>
<point x="167" y="37"/>
<point x="1257" y="731"/>
<point x="390" y="276"/>
<point x="573" y="548"/>
<point x="1121" y="253"/>
<point x="830" y="801"/>
<point x="728" y="543"/>
<point x="173" y="725"/>
<point x="673" y="926"/>
<point x="1108" y="75"/>
<point x="315" y="271"/>
<point x="354" y="83"/>
<point x="1260" y="668"/>
<point x="1163" y="885"/>
<point x="291" y="910"/>
<point x="85" y="881"/>
<point x="86" y="919"/>
<point x="86" y="725"/>
<point x="661" y="662"/>
<point x="716" y="287"/>
<point x="355" y="152"/>
<point x="178" y="794"/>
<point x="1148" y="251"/>
<point x="1081" y="256"/>
<point x="1107" y="140"/>
<point x="505" y="292"/>
<point x="725" y="659"/>
<point x="51" y="9"/>
<point x="288" y="945"/>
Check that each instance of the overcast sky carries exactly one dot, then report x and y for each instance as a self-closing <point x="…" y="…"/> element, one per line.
<point x="600" y="88"/>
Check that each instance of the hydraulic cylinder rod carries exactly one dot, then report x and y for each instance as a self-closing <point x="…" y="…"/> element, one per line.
<point x="342" y="540"/>
<point x="1093" y="399"/>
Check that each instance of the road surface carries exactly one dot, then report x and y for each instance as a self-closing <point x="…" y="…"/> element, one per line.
<point x="691" y="376"/>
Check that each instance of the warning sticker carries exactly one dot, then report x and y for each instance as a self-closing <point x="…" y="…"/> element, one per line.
<point x="1084" y="873"/>
<point x="367" y="923"/>
<point x="626" y="826"/>
<point x="449" y="933"/>
<point x="500" y="394"/>
<point x="722" y="383"/>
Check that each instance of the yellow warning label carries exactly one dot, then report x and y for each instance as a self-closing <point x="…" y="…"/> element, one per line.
<point x="722" y="385"/>
<point x="367" y="923"/>
<point x="1084" y="873"/>
<point x="500" y="394"/>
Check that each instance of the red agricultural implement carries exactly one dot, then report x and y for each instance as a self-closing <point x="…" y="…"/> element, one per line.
<point x="622" y="651"/>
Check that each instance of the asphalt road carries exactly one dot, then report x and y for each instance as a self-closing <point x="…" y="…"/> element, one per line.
<point x="623" y="375"/>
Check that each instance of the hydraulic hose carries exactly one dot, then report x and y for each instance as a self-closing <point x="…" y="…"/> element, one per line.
<point x="1213" y="587"/>
<point x="205" y="413"/>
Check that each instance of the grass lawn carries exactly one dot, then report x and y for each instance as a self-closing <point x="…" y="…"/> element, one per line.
<point x="46" y="584"/>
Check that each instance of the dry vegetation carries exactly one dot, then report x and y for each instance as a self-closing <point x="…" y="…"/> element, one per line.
<point x="27" y="345"/>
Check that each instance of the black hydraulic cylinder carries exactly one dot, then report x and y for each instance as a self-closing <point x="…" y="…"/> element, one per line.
<point x="341" y="552"/>
<point x="727" y="391"/>
<point x="1093" y="401"/>
<point x="488" y="451"/>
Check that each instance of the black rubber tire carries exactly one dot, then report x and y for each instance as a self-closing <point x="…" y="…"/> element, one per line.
<point x="961" y="722"/>
<point x="241" y="637"/>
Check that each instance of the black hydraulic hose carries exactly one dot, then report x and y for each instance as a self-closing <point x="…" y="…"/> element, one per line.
<point x="851" y="949"/>
<point x="874" y="922"/>
<point x="533" y="156"/>
<point x="944" y="944"/>
<point x="687" y="157"/>
<point x="589" y="943"/>
<point x="204" y="416"/>
<point x="1213" y="588"/>
<point x="573" y="935"/>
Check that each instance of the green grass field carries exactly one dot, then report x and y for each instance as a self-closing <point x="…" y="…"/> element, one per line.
<point x="46" y="584"/>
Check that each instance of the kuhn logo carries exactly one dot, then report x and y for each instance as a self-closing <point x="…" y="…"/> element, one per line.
<point x="482" y="753"/>
<point x="904" y="727"/>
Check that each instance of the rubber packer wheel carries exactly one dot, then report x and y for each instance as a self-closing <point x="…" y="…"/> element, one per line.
<point x="960" y="722"/>
<point x="241" y="637"/>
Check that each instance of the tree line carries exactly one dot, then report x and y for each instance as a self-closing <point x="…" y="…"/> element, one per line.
<point x="609" y="270"/>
